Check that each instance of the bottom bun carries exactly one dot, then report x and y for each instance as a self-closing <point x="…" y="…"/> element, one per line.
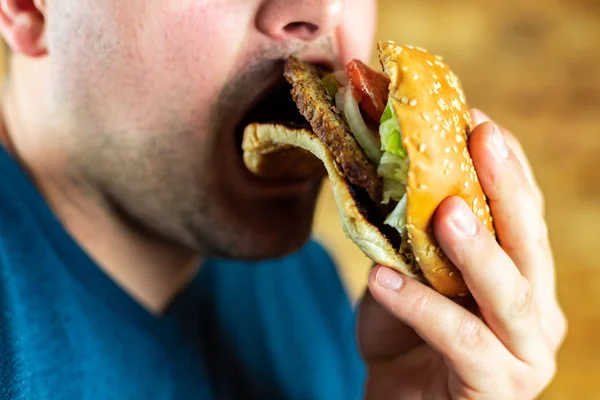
<point x="262" y="139"/>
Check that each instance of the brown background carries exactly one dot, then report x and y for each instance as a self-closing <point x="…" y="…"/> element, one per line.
<point x="534" y="66"/>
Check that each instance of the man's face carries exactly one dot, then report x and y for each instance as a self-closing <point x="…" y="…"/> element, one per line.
<point x="149" y="95"/>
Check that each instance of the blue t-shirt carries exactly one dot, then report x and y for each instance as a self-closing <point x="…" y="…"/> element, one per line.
<point x="280" y="329"/>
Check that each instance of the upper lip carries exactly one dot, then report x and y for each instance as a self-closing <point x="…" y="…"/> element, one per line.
<point x="273" y="103"/>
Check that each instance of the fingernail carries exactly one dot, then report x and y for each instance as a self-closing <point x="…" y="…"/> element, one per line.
<point x="389" y="279"/>
<point x="464" y="221"/>
<point x="479" y="117"/>
<point x="499" y="144"/>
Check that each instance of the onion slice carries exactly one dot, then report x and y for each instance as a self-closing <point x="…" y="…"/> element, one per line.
<point x="361" y="131"/>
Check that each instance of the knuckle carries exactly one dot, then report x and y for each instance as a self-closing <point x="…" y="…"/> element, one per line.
<point x="562" y="327"/>
<point x="522" y="304"/>
<point x="522" y="383"/>
<point x="543" y="236"/>
<point x="422" y="303"/>
<point x="529" y="383"/>
<point x="469" y="333"/>
<point x="543" y="375"/>
<point x="549" y="372"/>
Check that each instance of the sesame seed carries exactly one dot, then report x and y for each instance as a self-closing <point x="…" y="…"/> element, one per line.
<point x="434" y="76"/>
<point x="436" y="127"/>
<point x="425" y="117"/>
<point x="447" y="150"/>
<point x="417" y="259"/>
<point x="429" y="63"/>
<point x="404" y="100"/>
<point x="459" y="138"/>
<point x="422" y="147"/>
<point x="451" y="165"/>
<point x="443" y="134"/>
<point x="442" y="104"/>
<point x="437" y="86"/>
<point x="461" y="294"/>
<point x="409" y="241"/>
<point x="487" y="208"/>
<point x="463" y="167"/>
<point x="455" y="149"/>
<point x="466" y="184"/>
<point x="445" y="162"/>
<point x="438" y="57"/>
<point x="422" y="187"/>
<point x="446" y="171"/>
<point x="408" y="46"/>
<point x="404" y="68"/>
<point x="452" y="80"/>
<point x="415" y="76"/>
<point x="456" y="104"/>
<point x="412" y="102"/>
<point x="421" y="49"/>
<point x="451" y="273"/>
<point x="480" y="212"/>
<point x="475" y="200"/>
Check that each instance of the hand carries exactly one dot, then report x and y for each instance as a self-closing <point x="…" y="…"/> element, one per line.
<point x="421" y="345"/>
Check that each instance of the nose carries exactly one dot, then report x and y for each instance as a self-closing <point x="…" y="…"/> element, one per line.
<point x="299" y="19"/>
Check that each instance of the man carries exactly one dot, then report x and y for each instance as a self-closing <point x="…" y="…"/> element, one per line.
<point x="138" y="259"/>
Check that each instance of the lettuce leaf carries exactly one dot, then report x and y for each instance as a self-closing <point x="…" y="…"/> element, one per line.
<point x="331" y="84"/>
<point x="397" y="218"/>
<point x="393" y="166"/>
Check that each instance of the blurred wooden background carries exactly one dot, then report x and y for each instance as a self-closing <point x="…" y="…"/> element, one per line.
<point x="534" y="67"/>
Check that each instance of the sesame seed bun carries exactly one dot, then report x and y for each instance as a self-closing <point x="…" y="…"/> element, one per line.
<point x="435" y="123"/>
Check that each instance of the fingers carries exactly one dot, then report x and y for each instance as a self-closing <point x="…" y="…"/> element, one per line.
<point x="382" y="336"/>
<point x="479" y="118"/>
<point x="519" y="223"/>
<point x="458" y="335"/>
<point x="504" y="296"/>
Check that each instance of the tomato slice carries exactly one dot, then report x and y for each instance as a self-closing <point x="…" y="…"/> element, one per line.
<point x="370" y="88"/>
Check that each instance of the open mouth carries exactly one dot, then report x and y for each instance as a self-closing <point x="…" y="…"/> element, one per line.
<point x="275" y="106"/>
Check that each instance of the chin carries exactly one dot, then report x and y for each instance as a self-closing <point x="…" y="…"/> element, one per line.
<point x="269" y="229"/>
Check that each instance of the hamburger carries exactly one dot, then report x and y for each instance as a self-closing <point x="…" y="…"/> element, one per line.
<point x="394" y="145"/>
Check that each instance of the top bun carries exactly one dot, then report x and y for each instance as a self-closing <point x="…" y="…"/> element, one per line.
<point x="435" y="122"/>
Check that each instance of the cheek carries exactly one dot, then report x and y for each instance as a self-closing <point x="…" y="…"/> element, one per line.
<point x="148" y="62"/>
<point x="181" y="40"/>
